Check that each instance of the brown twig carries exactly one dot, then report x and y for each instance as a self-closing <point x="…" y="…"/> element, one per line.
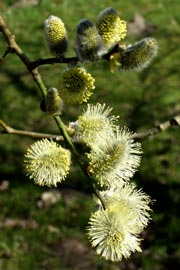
<point x="68" y="60"/>
<point x="175" y="121"/>
<point x="14" y="48"/>
<point x="12" y="45"/>
<point x="9" y="130"/>
<point x="53" y="60"/>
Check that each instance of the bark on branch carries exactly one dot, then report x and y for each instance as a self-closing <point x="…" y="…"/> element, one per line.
<point x="175" y="121"/>
<point x="9" y="130"/>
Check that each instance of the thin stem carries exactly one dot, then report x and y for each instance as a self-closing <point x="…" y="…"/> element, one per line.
<point x="175" y="121"/>
<point x="39" y="82"/>
<point x="9" y="130"/>
<point x="65" y="134"/>
<point x="53" y="60"/>
<point x="70" y="145"/>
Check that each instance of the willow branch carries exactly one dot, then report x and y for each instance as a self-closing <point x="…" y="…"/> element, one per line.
<point x="67" y="60"/>
<point x="175" y="121"/>
<point x="32" y="68"/>
<point x="14" y="48"/>
<point x="9" y="130"/>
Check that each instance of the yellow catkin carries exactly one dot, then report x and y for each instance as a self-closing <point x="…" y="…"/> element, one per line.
<point x="56" y="35"/>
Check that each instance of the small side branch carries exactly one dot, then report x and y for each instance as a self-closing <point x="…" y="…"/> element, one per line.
<point x="14" y="48"/>
<point x="52" y="61"/>
<point x="12" y="45"/>
<point x="175" y="121"/>
<point x="9" y="130"/>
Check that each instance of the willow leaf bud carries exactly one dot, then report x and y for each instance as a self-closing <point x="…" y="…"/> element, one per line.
<point x="76" y="86"/>
<point x="47" y="163"/>
<point x="88" y="45"/>
<point x="53" y="102"/>
<point x="111" y="28"/>
<point x="139" y="55"/>
<point x="56" y="36"/>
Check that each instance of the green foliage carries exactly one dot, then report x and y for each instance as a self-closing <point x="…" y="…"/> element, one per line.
<point x="141" y="99"/>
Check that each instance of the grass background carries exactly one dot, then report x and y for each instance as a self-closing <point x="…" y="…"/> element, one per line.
<point x="36" y="233"/>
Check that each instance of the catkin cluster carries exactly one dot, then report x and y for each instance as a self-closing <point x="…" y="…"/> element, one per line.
<point x="108" y="154"/>
<point x="93" y="42"/>
<point x="113" y="158"/>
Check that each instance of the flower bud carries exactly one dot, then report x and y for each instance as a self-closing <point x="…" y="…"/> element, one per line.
<point x="56" y="36"/>
<point x="139" y="55"/>
<point x="89" y="45"/>
<point x="53" y="102"/>
<point x="111" y="28"/>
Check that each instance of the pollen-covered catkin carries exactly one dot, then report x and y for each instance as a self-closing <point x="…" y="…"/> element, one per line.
<point x="77" y="85"/>
<point x="56" y="35"/>
<point x="47" y="163"/>
<point x="111" y="28"/>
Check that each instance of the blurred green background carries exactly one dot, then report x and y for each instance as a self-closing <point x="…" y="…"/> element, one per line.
<point x="44" y="228"/>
